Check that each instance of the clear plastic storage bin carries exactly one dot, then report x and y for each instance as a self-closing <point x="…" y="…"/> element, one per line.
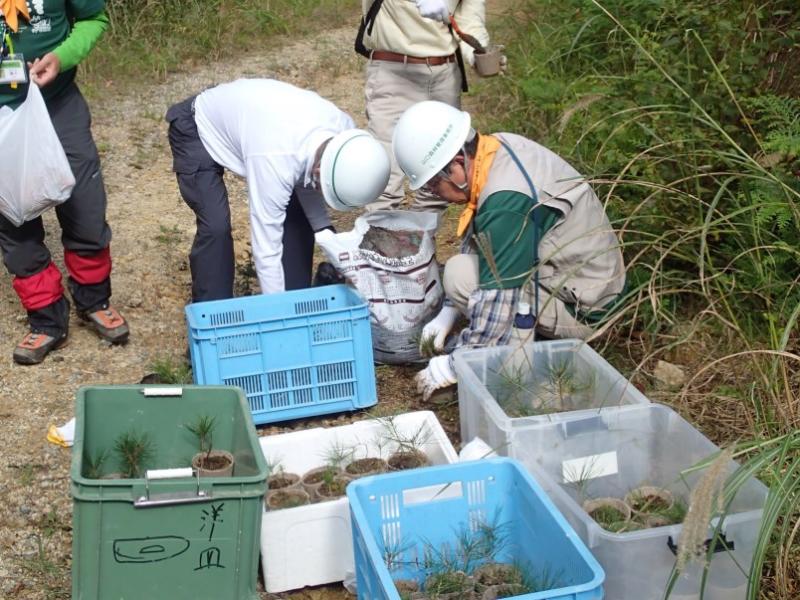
<point x="504" y="388"/>
<point x="616" y="452"/>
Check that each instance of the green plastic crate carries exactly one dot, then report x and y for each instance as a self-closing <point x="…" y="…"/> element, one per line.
<point x="177" y="538"/>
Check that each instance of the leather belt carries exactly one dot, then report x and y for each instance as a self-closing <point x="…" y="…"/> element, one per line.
<point x="432" y="61"/>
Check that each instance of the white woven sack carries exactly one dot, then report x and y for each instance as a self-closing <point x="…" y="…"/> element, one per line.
<point x="403" y="293"/>
<point x="34" y="171"/>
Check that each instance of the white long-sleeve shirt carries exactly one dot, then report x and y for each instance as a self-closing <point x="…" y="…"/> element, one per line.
<point x="268" y="132"/>
<point x="400" y="28"/>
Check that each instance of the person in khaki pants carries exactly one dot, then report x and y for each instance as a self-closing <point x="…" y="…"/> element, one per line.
<point x="414" y="56"/>
<point x="534" y="235"/>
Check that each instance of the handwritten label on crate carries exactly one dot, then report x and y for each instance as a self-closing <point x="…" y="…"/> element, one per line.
<point x="589" y="467"/>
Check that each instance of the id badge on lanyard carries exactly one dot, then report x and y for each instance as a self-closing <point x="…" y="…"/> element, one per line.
<point x="12" y="66"/>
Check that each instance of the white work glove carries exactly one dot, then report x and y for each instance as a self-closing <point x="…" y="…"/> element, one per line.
<point x="434" y="9"/>
<point x="439" y="327"/>
<point x="437" y="375"/>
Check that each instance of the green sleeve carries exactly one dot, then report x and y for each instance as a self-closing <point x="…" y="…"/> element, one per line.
<point x="81" y="40"/>
<point x="507" y="220"/>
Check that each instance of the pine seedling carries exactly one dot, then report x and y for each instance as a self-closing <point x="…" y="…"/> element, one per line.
<point x="93" y="465"/>
<point x="203" y="429"/>
<point x="134" y="451"/>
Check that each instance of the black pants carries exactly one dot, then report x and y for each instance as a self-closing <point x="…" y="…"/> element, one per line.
<point x="202" y="187"/>
<point x="84" y="229"/>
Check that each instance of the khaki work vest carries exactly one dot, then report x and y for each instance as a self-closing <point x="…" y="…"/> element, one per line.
<point x="580" y="258"/>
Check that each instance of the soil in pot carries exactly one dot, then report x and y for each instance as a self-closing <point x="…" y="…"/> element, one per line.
<point x="408" y="459"/>
<point x="286" y="498"/>
<point x="656" y="507"/>
<point x="281" y="481"/>
<point x="314" y="478"/>
<point x="330" y="490"/>
<point x="492" y="574"/>
<point x="650" y="500"/>
<point x="217" y="463"/>
<point x="366" y="466"/>
<point x="608" y="512"/>
<point x="503" y="590"/>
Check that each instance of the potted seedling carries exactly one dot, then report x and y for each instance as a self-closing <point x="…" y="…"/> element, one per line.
<point x="93" y="465"/>
<point x="209" y="462"/>
<point x="406" y="588"/>
<point x="612" y="514"/>
<point x="133" y="451"/>
<point x="655" y="507"/>
<point x="495" y="574"/>
<point x="408" y="453"/>
<point x="448" y="585"/>
<point x="279" y="479"/>
<point x="368" y="465"/>
<point x="331" y="474"/>
<point x="333" y="485"/>
<point x="287" y="498"/>
<point x="564" y="389"/>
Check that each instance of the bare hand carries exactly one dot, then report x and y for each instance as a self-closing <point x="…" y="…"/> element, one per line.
<point x="44" y="70"/>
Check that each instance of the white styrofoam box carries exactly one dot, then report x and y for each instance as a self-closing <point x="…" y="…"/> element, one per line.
<point x="313" y="544"/>
<point x="612" y="453"/>
<point x="489" y="377"/>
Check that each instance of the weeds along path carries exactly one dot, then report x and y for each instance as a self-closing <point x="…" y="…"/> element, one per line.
<point x="152" y="236"/>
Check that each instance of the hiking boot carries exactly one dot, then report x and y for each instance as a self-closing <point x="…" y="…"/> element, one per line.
<point x="35" y="346"/>
<point x="109" y="324"/>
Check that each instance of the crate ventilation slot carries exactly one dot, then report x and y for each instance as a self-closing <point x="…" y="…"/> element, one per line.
<point x="238" y="344"/>
<point x="330" y="332"/>
<point x="390" y="507"/>
<point x="251" y="384"/>
<point x="310" y="306"/>
<point x="476" y="492"/>
<point x="335" y="372"/>
<point x="231" y="317"/>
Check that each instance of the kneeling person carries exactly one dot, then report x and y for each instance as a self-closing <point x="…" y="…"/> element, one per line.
<point x="533" y="231"/>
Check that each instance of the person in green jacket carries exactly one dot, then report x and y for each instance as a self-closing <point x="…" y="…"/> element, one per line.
<point x="53" y="37"/>
<point x="535" y="238"/>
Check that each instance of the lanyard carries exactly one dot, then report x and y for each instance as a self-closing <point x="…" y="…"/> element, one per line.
<point x="535" y="199"/>
<point x="6" y="45"/>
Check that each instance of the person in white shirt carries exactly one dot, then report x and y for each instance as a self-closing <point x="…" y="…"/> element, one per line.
<point x="414" y="55"/>
<point x="297" y="151"/>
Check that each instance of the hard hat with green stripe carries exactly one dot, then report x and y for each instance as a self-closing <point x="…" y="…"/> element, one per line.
<point x="354" y="170"/>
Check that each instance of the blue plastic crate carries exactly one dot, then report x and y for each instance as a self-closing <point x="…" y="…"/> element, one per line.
<point x="295" y="354"/>
<point x="402" y="516"/>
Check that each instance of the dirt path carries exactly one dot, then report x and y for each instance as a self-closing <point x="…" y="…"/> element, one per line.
<point x="152" y="235"/>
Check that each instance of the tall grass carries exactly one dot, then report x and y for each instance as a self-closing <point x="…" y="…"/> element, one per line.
<point x="148" y="38"/>
<point x="685" y="117"/>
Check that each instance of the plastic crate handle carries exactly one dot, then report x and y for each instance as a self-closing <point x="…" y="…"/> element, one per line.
<point x="720" y="543"/>
<point x="594" y="424"/>
<point x="171" y="498"/>
<point x="160" y="392"/>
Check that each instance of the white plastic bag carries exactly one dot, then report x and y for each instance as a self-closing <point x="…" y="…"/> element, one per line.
<point x="34" y="171"/>
<point x="404" y="293"/>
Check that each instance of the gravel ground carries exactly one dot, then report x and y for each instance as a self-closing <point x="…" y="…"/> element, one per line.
<point x="152" y="235"/>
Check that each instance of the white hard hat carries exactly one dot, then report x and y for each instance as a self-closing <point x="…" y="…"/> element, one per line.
<point x="354" y="170"/>
<point x="427" y="137"/>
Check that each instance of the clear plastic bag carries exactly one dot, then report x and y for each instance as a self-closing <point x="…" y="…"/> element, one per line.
<point x="34" y="171"/>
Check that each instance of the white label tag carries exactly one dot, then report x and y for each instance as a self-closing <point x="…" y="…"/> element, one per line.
<point x="589" y="467"/>
<point x="13" y="69"/>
